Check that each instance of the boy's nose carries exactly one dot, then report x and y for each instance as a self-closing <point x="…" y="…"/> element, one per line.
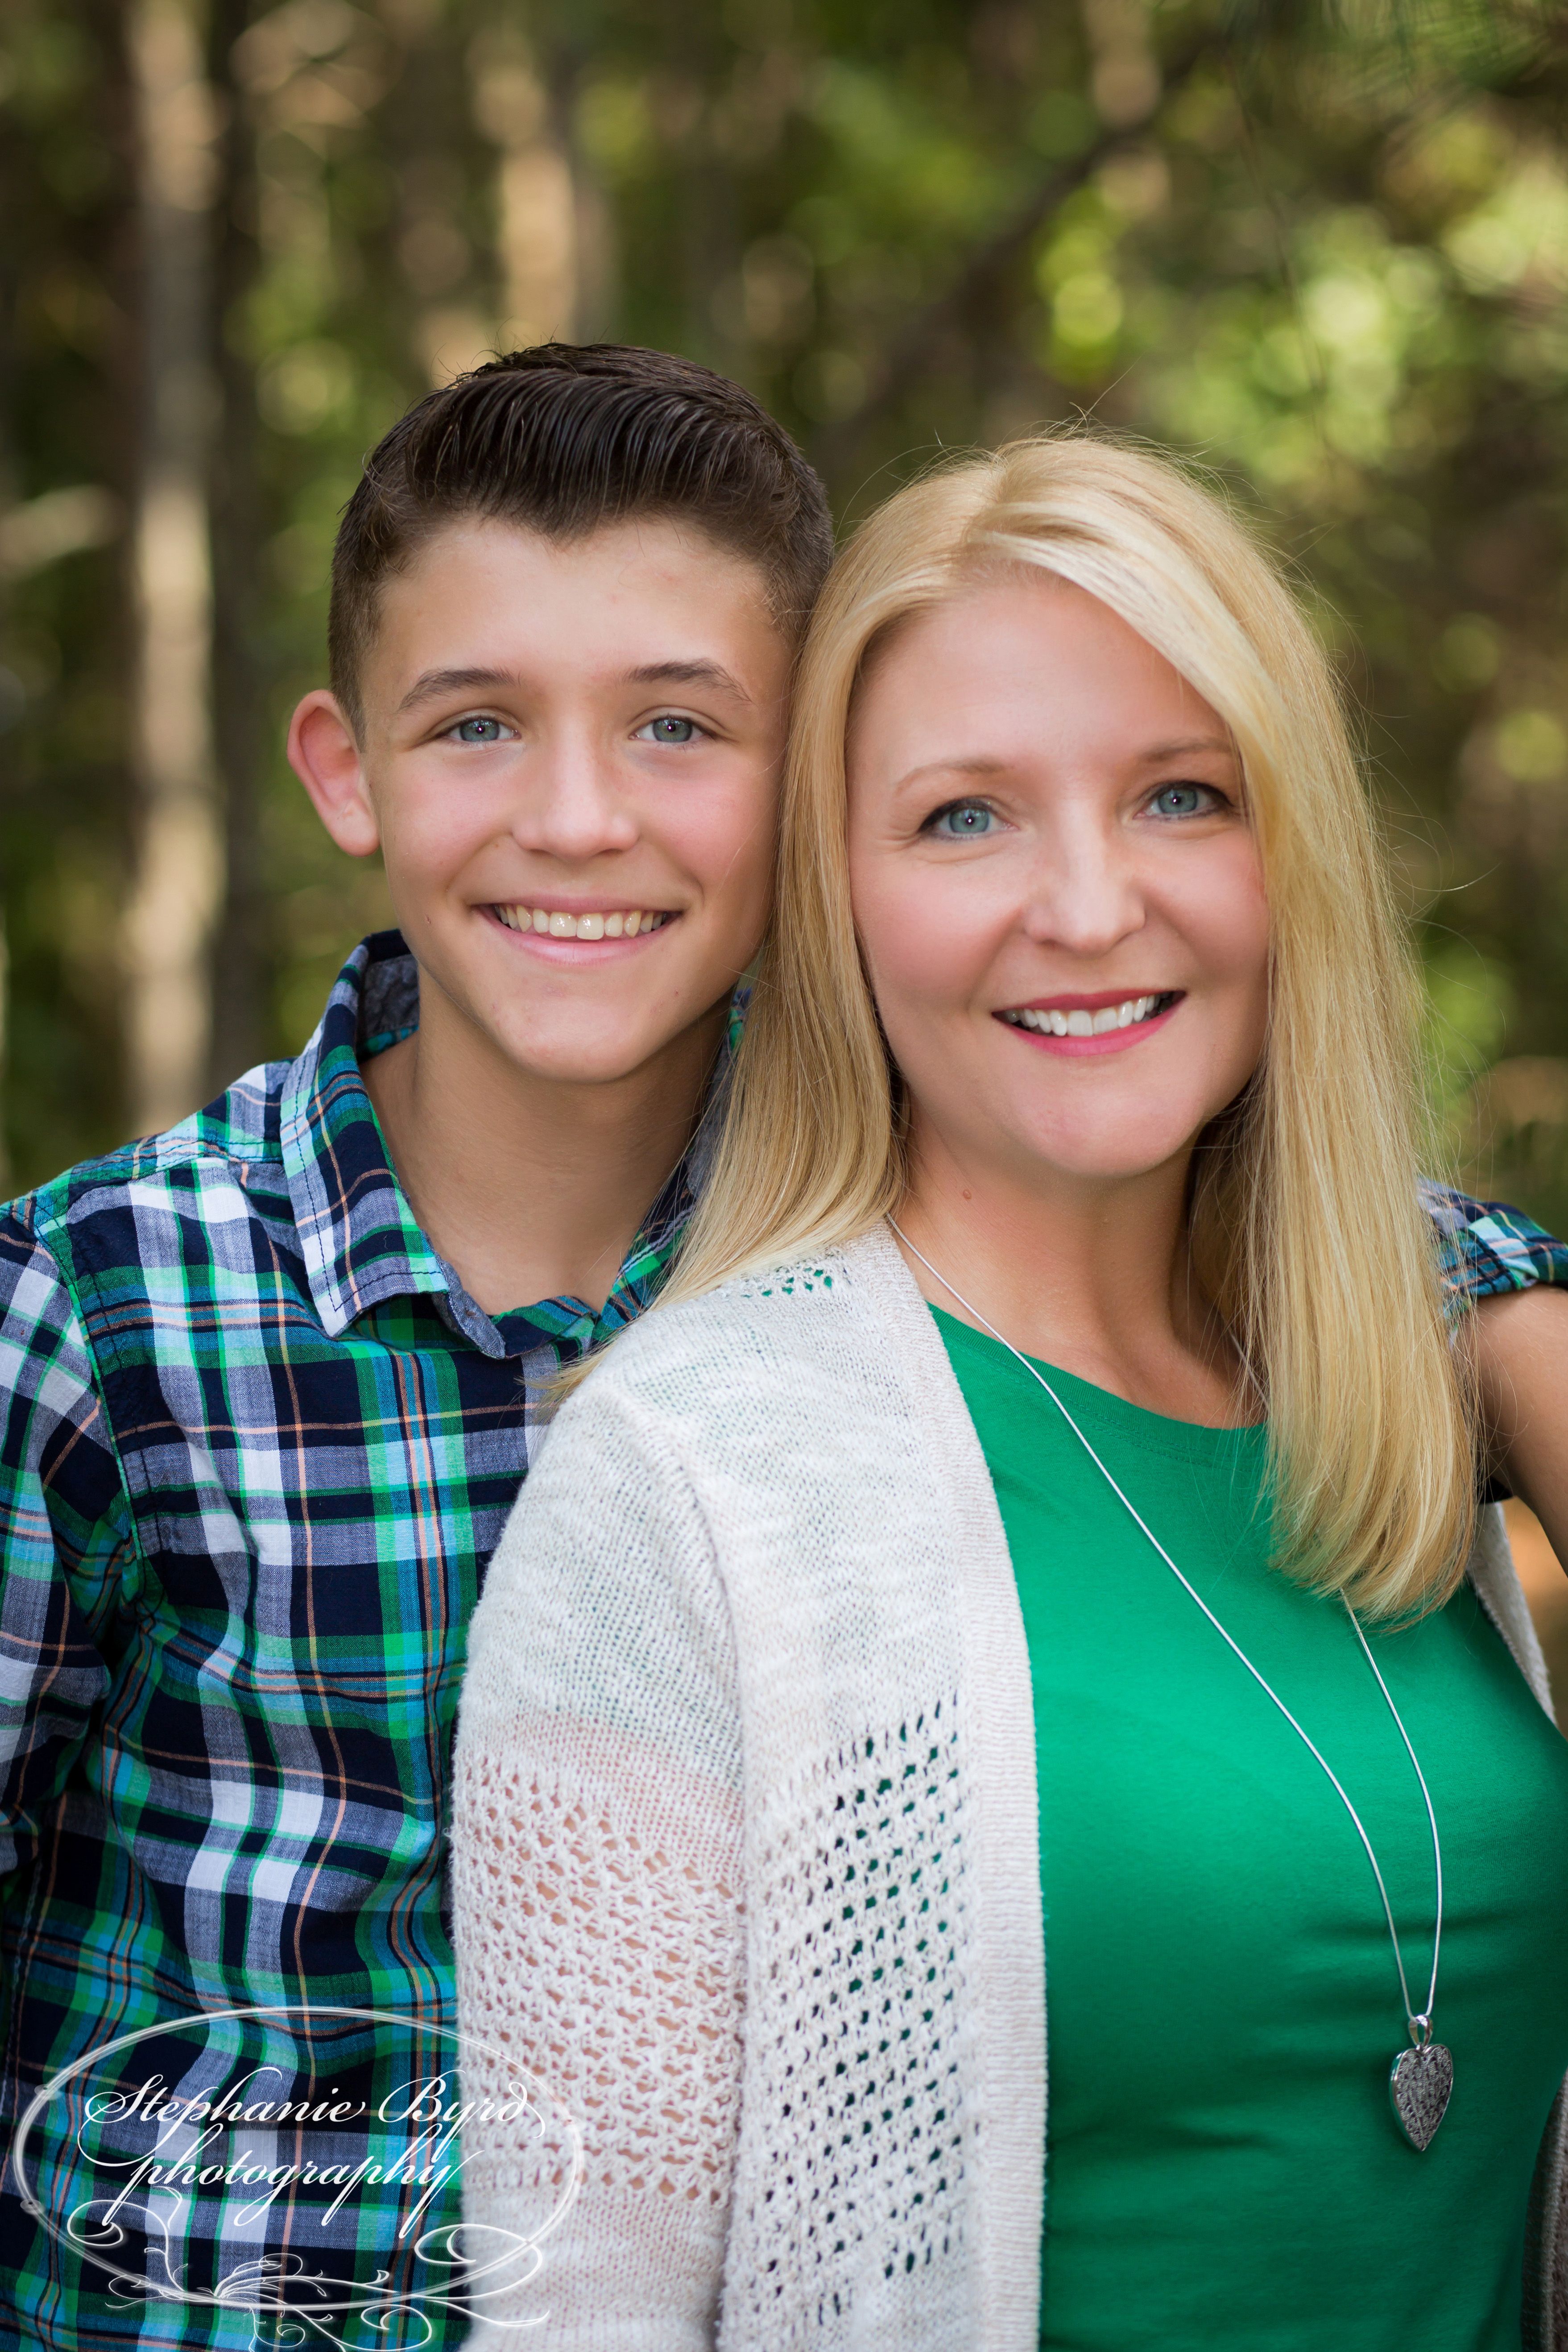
<point x="573" y="808"/>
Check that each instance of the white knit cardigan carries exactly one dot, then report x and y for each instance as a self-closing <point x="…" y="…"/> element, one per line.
<point x="746" y="1859"/>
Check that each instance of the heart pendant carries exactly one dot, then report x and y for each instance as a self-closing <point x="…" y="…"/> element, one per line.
<point x="1419" y="2082"/>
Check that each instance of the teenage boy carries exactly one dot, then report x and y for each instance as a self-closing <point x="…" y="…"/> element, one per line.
<point x="272" y="1380"/>
<point x="269" y="1382"/>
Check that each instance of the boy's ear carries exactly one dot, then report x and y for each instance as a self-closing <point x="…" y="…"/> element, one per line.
<point x="325" y="757"/>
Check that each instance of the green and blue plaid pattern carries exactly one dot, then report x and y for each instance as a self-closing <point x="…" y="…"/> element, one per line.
<point x="1487" y="1249"/>
<point x="257" y="1444"/>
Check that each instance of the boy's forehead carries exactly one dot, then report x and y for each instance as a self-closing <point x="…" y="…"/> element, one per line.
<point x="600" y="591"/>
<point x="617" y="565"/>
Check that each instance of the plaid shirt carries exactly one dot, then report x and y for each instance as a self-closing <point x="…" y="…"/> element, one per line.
<point x="257" y="1444"/>
<point x="1487" y="1249"/>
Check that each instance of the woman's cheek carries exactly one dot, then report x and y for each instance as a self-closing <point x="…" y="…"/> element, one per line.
<point x="1239" y="957"/>
<point x="1239" y="915"/>
<point x="929" y="943"/>
<point x="911" y="977"/>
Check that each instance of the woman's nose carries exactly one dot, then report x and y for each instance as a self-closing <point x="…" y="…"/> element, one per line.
<point x="1085" y="895"/>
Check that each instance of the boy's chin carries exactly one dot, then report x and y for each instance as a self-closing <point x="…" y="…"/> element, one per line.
<point x="555" y="1028"/>
<point x="571" y="1052"/>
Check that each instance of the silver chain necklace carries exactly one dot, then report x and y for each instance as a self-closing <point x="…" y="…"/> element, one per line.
<point x="1421" y="2078"/>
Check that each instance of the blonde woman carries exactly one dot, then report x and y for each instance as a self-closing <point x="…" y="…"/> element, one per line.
<point x="1016" y="1619"/>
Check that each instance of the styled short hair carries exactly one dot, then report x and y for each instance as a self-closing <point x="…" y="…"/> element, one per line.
<point x="1305" y="1224"/>
<point x="562" y="438"/>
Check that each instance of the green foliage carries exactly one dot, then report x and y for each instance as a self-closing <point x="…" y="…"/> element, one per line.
<point x="1322" y="248"/>
<point x="1468" y="1000"/>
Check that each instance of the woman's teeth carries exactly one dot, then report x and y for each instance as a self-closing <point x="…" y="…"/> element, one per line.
<point x="624" y="924"/>
<point x="1081" y="1022"/>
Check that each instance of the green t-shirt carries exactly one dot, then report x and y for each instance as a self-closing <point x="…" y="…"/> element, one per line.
<point x="1223" y="2170"/>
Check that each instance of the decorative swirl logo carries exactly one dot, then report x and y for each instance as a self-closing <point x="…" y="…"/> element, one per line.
<point x="303" y="2164"/>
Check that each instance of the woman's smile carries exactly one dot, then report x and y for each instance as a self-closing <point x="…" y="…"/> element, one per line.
<point x="1084" y="1025"/>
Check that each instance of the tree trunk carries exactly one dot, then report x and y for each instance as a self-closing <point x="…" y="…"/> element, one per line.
<point x="178" y="883"/>
<point x="5" y="1002"/>
<point x="536" y="208"/>
<point x="240" y="964"/>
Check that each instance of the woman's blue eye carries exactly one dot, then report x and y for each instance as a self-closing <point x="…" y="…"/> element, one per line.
<point x="965" y="821"/>
<point x="669" y="730"/>
<point x="479" y="730"/>
<point x="1181" y="799"/>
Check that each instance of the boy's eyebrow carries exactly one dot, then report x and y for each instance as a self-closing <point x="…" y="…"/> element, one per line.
<point x="689" y="673"/>
<point x="433" y="682"/>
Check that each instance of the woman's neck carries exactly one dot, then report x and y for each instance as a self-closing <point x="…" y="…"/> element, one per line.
<point x="1091" y="1275"/>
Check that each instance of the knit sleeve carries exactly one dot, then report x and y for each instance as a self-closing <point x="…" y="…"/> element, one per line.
<point x="597" y="1877"/>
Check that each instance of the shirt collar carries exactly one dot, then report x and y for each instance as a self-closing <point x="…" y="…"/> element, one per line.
<point x="358" y="1236"/>
<point x="357" y="1233"/>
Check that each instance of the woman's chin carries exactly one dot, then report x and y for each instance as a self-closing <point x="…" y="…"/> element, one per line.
<point x="1109" y="1155"/>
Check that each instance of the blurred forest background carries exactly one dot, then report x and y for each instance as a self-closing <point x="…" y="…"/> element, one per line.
<point x="1322" y="248"/>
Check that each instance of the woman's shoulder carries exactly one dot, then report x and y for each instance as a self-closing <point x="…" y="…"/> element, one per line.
<point x="838" y="1333"/>
<point x="800" y="1309"/>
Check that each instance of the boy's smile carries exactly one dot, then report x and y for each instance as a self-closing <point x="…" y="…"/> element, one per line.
<point x="569" y="759"/>
<point x="547" y="926"/>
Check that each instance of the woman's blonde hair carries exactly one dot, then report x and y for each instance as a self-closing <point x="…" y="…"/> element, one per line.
<point x="1305" y="1227"/>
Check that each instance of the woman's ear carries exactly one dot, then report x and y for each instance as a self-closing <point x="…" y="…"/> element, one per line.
<point x="324" y="753"/>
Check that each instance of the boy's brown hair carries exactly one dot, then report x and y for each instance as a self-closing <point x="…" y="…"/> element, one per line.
<point x="565" y="438"/>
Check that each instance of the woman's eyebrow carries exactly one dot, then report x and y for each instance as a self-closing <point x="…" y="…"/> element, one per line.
<point x="1179" y="750"/>
<point x="977" y="763"/>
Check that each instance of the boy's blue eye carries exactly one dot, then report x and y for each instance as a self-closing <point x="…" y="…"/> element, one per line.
<point x="963" y="821"/>
<point x="479" y="730"/>
<point x="669" y="730"/>
<point x="1181" y="799"/>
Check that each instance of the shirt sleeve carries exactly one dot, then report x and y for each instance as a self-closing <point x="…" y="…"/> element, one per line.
<point x="64" y="1532"/>
<point x="1486" y="1249"/>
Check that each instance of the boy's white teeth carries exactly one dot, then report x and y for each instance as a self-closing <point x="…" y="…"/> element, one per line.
<point x="1080" y="1023"/>
<point x="624" y="923"/>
